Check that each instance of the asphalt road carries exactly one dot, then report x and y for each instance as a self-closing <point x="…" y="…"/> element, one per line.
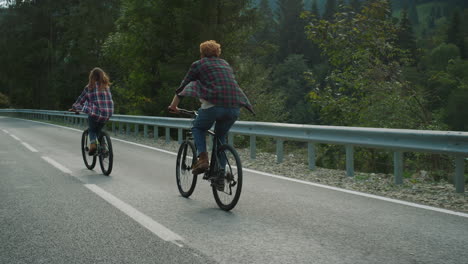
<point x="54" y="210"/>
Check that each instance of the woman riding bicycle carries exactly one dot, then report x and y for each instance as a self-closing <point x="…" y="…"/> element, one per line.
<point x="211" y="80"/>
<point x="96" y="101"/>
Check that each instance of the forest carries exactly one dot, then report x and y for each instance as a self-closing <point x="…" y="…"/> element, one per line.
<point x="365" y="63"/>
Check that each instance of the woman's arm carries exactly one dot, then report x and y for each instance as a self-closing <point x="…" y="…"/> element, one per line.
<point x="78" y="105"/>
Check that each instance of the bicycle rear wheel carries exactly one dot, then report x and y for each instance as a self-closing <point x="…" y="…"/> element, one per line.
<point x="228" y="198"/>
<point x="89" y="161"/>
<point x="106" y="154"/>
<point x="186" y="181"/>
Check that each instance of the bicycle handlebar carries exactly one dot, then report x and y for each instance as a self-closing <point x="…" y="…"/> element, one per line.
<point x="191" y="113"/>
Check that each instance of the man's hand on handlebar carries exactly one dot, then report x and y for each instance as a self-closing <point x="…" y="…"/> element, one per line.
<point x="173" y="109"/>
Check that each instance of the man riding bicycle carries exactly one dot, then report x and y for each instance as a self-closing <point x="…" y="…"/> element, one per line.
<point x="211" y="80"/>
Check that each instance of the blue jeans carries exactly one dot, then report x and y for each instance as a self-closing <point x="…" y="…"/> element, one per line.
<point x="224" y="117"/>
<point x="94" y="130"/>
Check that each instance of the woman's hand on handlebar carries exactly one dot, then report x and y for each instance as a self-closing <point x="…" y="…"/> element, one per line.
<point x="74" y="111"/>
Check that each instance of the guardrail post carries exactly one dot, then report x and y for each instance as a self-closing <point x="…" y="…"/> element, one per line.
<point x="179" y="135"/>
<point x="459" y="174"/>
<point x="398" y="167"/>
<point x="231" y="139"/>
<point x="156" y="132"/>
<point x="145" y="131"/>
<point x="349" y="161"/>
<point x="121" y="127"/>
<point x="168" y="135"/>
<point x="127" y="126"/>
<point x="279" y="150"/>
<point x="253" y="147"/>
<point x="137" y="129"/>
<point x="311" y="155"/>
<point x="113" y="128"/>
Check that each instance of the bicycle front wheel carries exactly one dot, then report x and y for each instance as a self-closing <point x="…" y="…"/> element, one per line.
<point x="89" y="161"/>
<point x="186" y="158"/>
<point x="106" y="154"/>
<point x="229" y="196"/>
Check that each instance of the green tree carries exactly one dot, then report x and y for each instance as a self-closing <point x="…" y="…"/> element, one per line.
<point x="4" y="101"/>
<point x="355" y="5"/>
<point x="455" y="34"/>
<point x="255" y="80"/>
<point x="156" y="41"/>
<point x="315" y="10"/>
<point x="365" y="86"/>
<point x="457" y="109"/>
<point x="405" y="35"/>
<point x="289" y="80"/>
<point x="330" y="9"/>
<point x="413" y="12"/>
<point x="264" y="45"/>
<point x="292" y="39"/>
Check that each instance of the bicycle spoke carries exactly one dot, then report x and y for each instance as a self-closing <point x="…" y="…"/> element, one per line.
<point x="229" y="196"/>
<point x="186" y="181"/>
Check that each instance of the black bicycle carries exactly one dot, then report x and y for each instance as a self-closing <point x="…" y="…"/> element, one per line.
<point x="226" y="197"/>
<point x="104" y="151"/>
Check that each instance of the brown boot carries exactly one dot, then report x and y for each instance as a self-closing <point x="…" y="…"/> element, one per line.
<point x="92" y="149"/>
<point x="202" y="164"/>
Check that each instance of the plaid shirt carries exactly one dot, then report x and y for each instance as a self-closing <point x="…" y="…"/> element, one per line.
<point x="212" y="79"/>
<point x="96" y="103"/>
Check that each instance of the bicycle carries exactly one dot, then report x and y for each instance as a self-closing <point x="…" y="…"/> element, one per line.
<point x="104" y="151"/>
<point x="226" y="198"/>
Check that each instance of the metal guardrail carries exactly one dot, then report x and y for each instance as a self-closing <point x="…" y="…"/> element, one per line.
<point x="397" y="140"/>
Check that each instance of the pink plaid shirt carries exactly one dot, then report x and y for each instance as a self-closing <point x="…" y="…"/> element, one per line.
<point x="96" y="103"/>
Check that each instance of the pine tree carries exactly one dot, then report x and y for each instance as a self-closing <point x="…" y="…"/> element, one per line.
<point x="330" y="10"/>
<point x="405" y="36"/>
<point x="266" y="22"/>
<point x="455" y="34"/>
<point x="355" y="5"/>
<point x="290" y="28"/>
<point x="340" y="5"/>
<point x="413" y="13"/>
<point x="315" y="10"/>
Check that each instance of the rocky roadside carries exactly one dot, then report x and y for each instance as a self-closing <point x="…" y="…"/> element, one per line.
<point x="418" y="189"/>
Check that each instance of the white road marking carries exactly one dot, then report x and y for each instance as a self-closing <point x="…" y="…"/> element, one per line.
<point x="24" y="143"/>
<point x="15" y="137"/>
<point x="145" y="146"/>
<point x="296" y="180"/>
<point x="361" y="194"/>
<point x="144" y="220"/>
<point x="57" y="165"/>
<point x="5" y="131"/>
<point x="29" y="147"/>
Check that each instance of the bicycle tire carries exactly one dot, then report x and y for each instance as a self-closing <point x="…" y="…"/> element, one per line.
<point x="186" y="181"/>
<point x="227" y="199"/>
<point x="89" y="161"/>
<point x="106" y="154"/>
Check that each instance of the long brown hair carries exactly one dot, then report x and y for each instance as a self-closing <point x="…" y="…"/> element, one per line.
<point x="97" y="75"/>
